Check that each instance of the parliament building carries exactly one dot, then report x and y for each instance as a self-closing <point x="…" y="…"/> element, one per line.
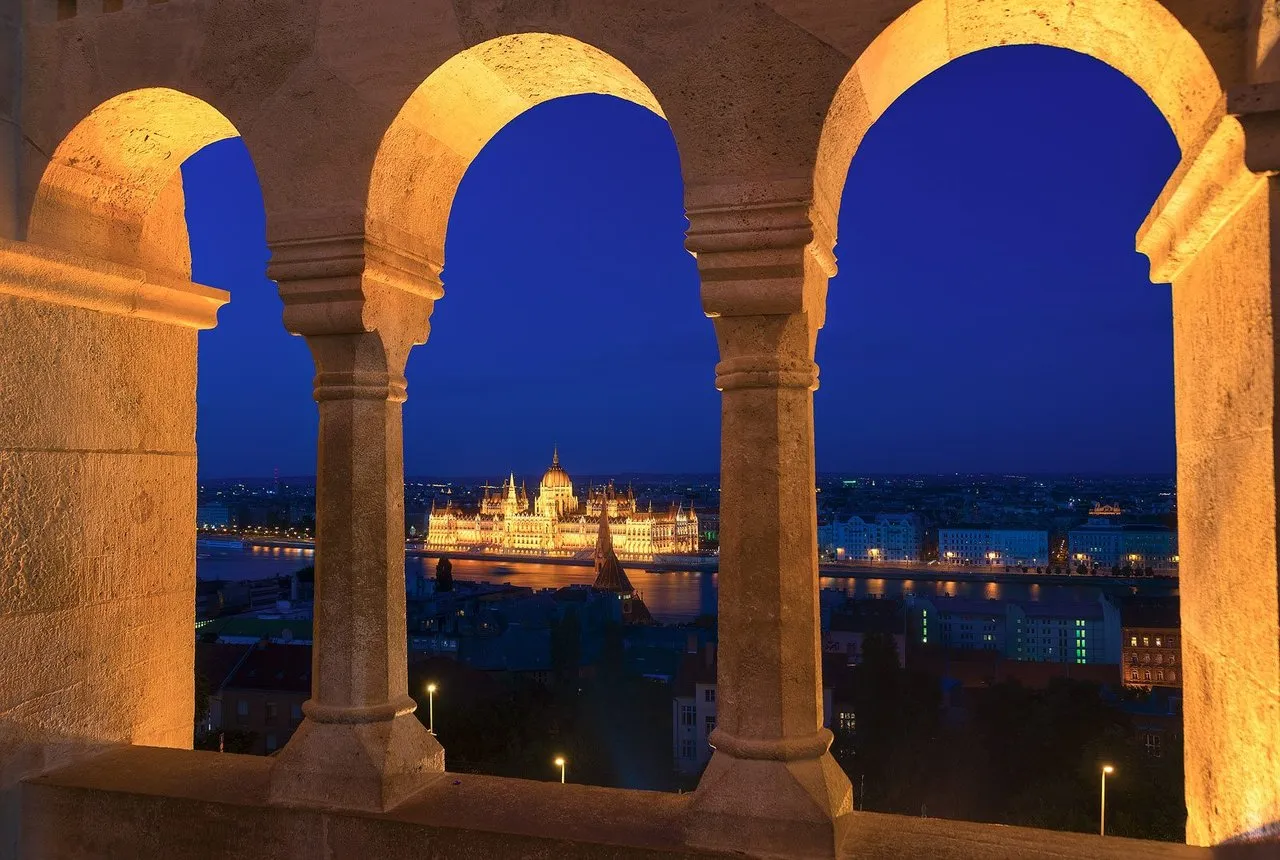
<point x="558" y="522"/>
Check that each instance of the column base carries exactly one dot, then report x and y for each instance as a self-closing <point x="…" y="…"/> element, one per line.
<point x="366" y="766"/>
<point x="771" y="807"/>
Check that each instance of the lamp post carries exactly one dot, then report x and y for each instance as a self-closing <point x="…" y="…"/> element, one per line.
<point x="1102" y="818"/>
<point x="560" y="762"/>
<point x="431" y="708"/>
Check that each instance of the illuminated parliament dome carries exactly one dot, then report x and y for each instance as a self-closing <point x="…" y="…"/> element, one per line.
<point x="558" y="522"/>
<point x="556" y="477"/>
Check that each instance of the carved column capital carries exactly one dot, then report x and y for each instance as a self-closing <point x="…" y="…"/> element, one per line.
<point x="1210" y="185"/>
<point x="1257" y="107"/>
<point x="759" y="250"/>
<point x="353" y="283"/>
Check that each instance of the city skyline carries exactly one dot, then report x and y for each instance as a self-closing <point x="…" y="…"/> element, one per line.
<point x="572" y="309"/>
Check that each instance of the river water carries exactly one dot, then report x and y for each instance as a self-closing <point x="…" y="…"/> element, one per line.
<point x="672" y="597"/>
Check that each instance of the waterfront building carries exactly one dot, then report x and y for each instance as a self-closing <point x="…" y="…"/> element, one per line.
<point x="984" y="545"/>
<point x="1151" y="636"/>
<point x="1103" y="541"/>
<point x="214" y="515"/>
<point x="559" y="522"/>
<point x="1052" y="631"/>
<point x="886" y="537"/>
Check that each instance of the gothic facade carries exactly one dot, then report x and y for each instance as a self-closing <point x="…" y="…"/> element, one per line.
<point x="558" y="523"/>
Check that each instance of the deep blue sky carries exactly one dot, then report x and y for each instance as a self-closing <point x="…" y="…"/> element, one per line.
<point x="990" y="313"/>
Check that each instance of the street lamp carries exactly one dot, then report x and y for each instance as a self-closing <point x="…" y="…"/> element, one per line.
<point x="431" y="708"/>
<point x="560" y="762"/>
<point x="1102" y="818"/>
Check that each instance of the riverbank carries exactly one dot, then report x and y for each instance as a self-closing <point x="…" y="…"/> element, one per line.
<point x="831" y="570"/>
<point x="891" y="571"/>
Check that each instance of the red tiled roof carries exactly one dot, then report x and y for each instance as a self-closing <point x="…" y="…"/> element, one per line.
<point x="274" y="667"/>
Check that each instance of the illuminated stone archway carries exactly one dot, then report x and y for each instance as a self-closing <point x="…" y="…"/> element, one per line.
<point x="457" y="110"/>
<point x="113" y="188"/>
<point x="1209" y="234"/>
<point x="1139" y="38"/>
<point x="97" y="437"/>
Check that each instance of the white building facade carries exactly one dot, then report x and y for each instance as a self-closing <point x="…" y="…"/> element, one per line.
<point x="887" y="537"/>
<point x="1103" y="542"/>
<point x="982" y="545"/>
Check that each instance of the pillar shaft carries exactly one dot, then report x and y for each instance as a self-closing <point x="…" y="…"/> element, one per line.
<point x="1224" y="347"/>
<point x="772" y="786"/>
<point x="360" y="601"/>
<point x="1213" y="235"/>
<point x="769" y="692"/>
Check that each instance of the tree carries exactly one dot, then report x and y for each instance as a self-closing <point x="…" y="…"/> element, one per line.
<point x="202" y="697"/>
<point x="444" y="574"/>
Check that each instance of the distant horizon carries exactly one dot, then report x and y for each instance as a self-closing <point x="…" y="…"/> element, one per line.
<point x="645" y="474"/>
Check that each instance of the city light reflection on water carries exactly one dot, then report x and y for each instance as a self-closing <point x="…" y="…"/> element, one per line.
<point x="672" y="597"/>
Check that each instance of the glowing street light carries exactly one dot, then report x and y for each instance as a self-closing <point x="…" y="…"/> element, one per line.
<point x="431" y="707"/>
<point x="560" y="763"/>
<point x="1102" y="818"/>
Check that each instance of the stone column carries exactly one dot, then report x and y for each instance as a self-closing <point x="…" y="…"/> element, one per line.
<point x="360" y="745"/>
<point x="772" y="785"/>
<point x="1213" y="235"/>
<point x="97" y="509"/>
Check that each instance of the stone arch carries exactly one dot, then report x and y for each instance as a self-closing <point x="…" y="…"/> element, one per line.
<point x="113" y="188"/>
<point x="452" y="115"/>
<point x="1139" y="38"/>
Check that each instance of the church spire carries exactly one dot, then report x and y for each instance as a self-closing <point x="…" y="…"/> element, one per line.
<point x="555" y="455"/>
<point x="609" y="573"/>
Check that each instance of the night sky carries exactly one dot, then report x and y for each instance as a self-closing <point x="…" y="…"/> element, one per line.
<point x="990" y="314"/>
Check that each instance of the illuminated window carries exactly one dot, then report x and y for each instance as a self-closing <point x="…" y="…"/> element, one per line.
<point x="1146" y="641"/>
<point x="1158" y="645"/>
<point x="1146" y="676"/>
<point x="1133" y="675"/>
<point x="1133" y="641"/>
<point x="1152" y="743"/>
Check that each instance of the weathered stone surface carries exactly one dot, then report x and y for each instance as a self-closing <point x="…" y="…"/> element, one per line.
<point x="1224" y="347"/>
<point x="124" y="804"/>
<point x="362" y="119"/>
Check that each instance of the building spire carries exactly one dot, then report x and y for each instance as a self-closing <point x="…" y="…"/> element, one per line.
<point x="555" y="455"/>
<point x="609" y="573"/>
